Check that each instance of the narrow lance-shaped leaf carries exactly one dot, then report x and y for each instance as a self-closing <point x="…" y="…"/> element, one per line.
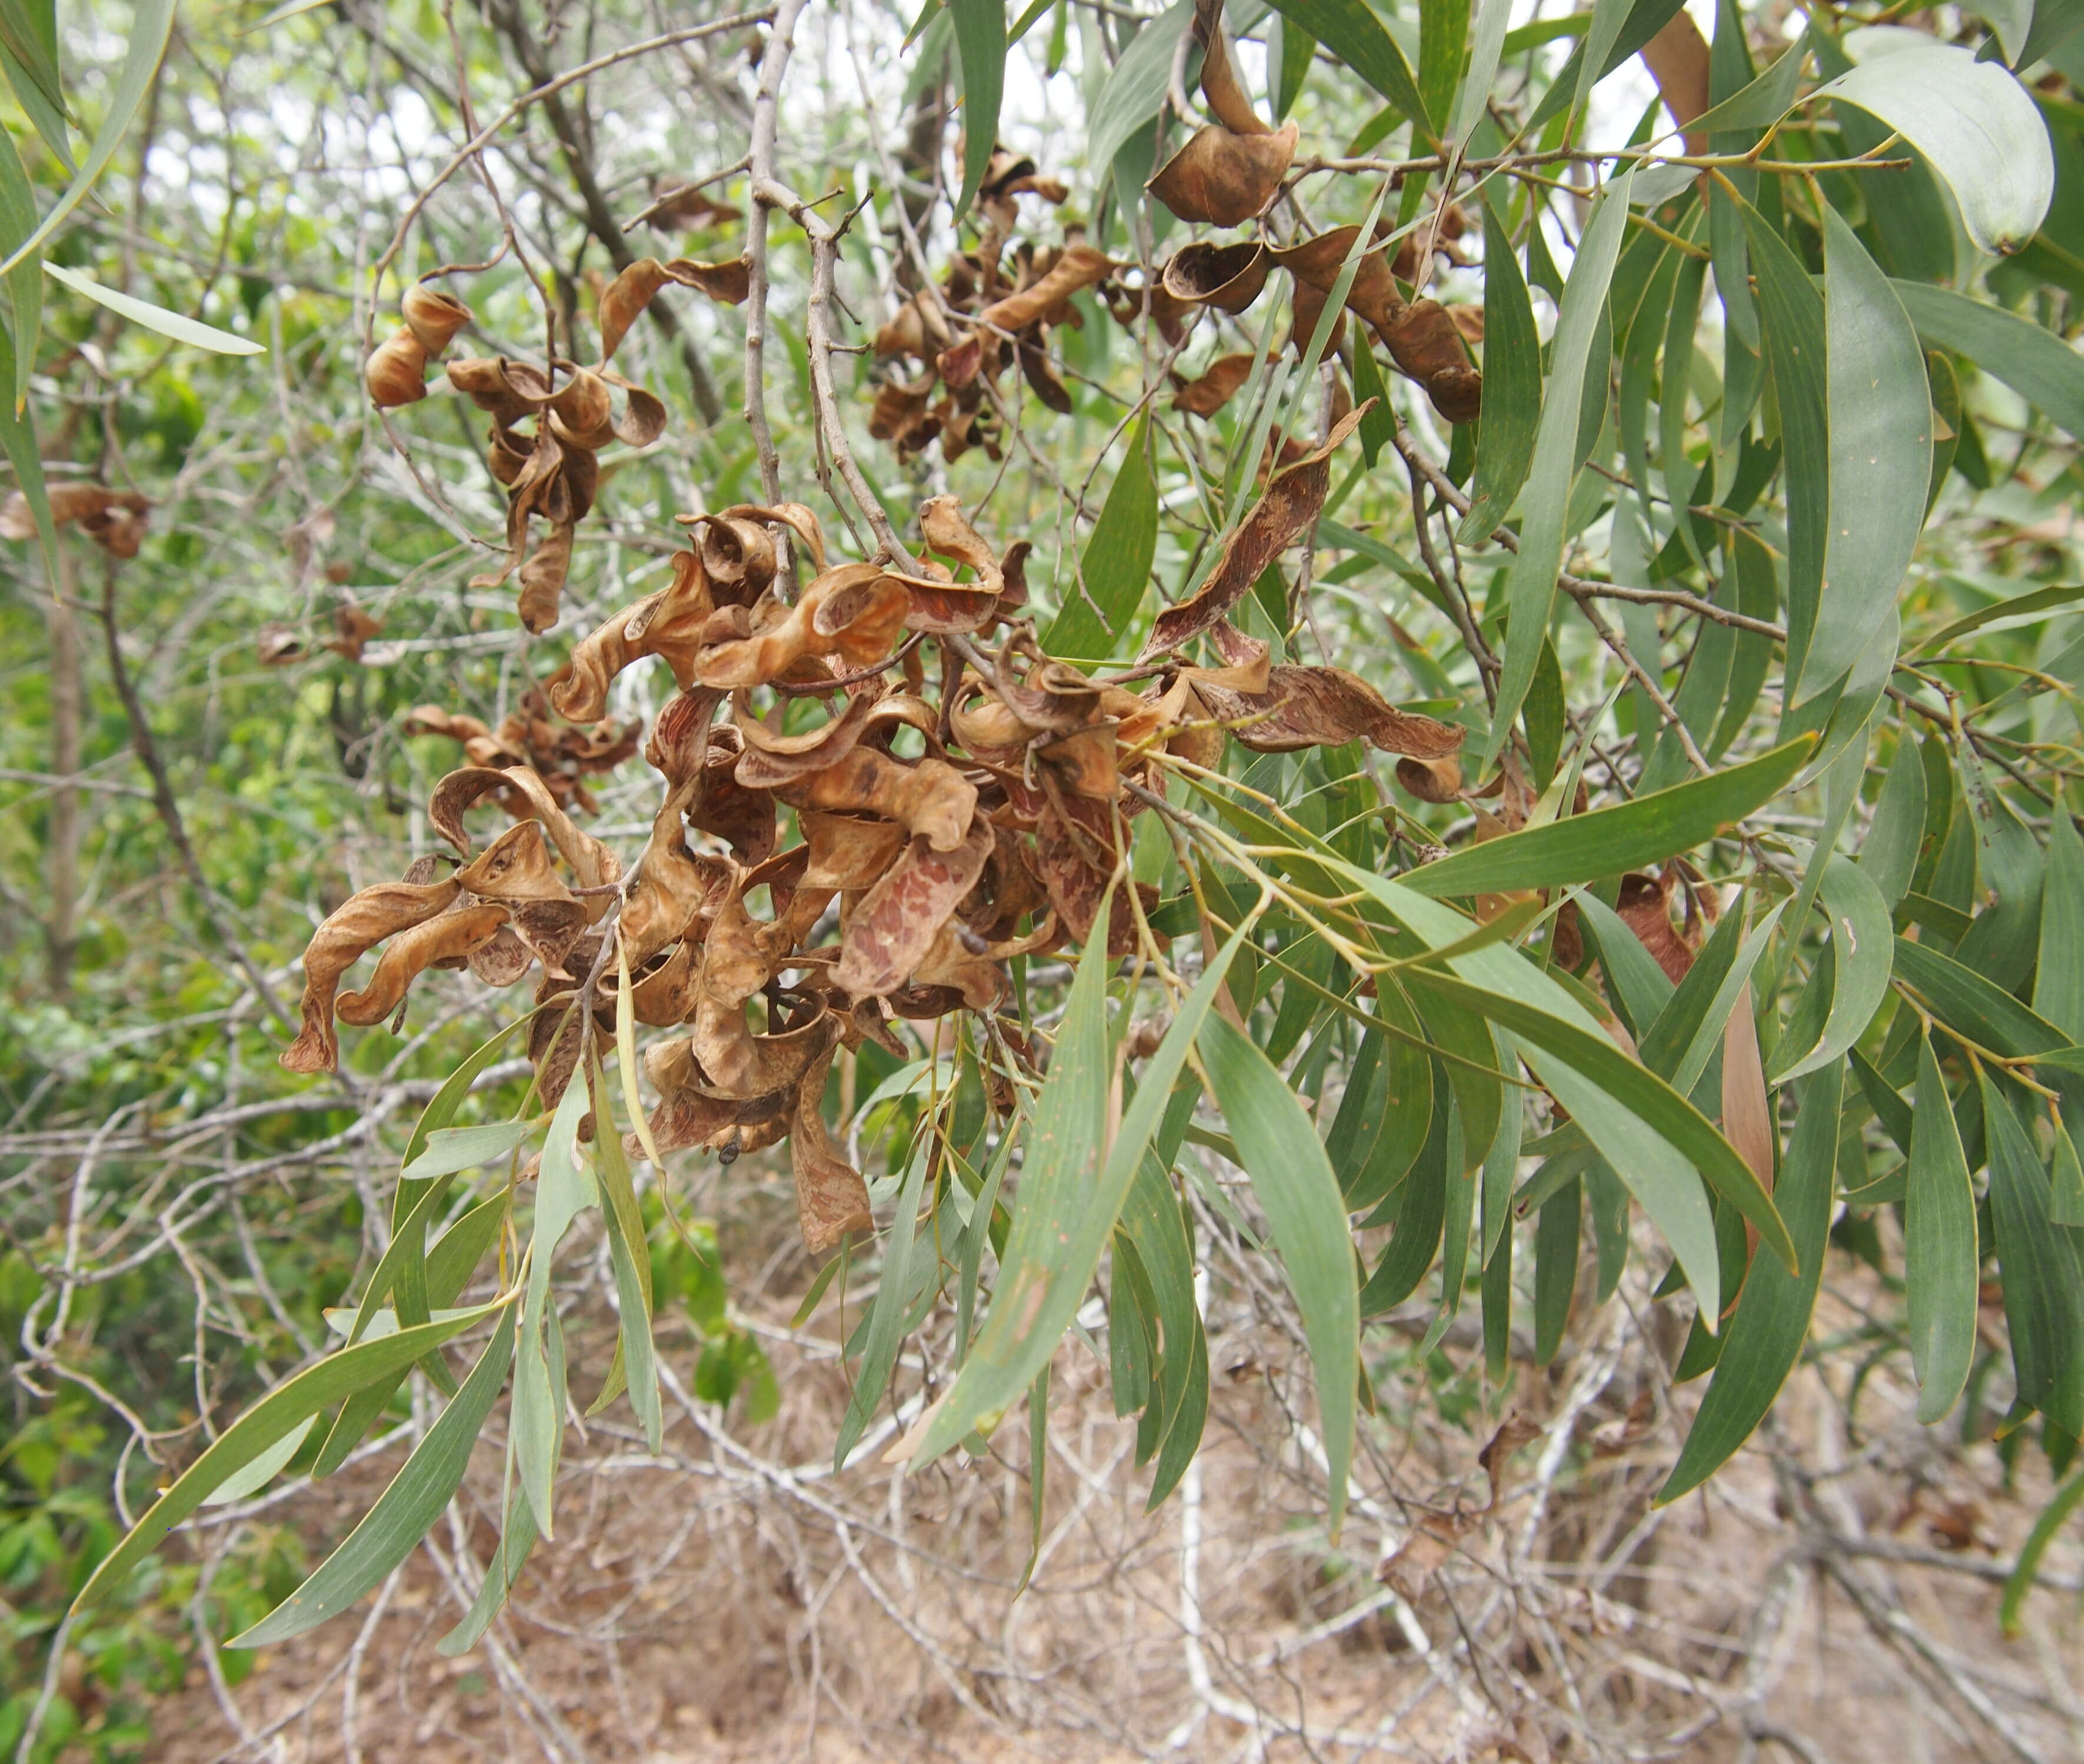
<point x="2043" y="1293"/>
<point x="1765" y="1336"/>
<point x="180" y="328"/>
<point x="562" y="1190"/>
<point x="1353" y="32"/>
<point x="2035" y="362"/>
<point x="1114" y="570"/>
<point x="2050" y="1521"/>
<point x="1292" y="1179"/>
<point x="2058" y="985"/>
<point x="25" y="281"/>
<point x="1512" y="384"/>
<point x="1880" y="427"/>
<point x="1791" y="326"/>
<point x="1889" y="854"/>
<point x="392" y="1528"/>
<point x="1862" y="943"/>
<point x="150" y="26"/>
<point x="980" y="51"/>
<point x="1136" y="87"/>
<point x="1492" y="17"/>
<point x="1939" y="1246"/>
<point x="1584" y="847"/>
<point x="1530" y="590"/>
<point x="886" y="1316"/>
<point x="516" y="1541"/>
<point x="287" y="1407"/>
<point x="1065" y="1216"/>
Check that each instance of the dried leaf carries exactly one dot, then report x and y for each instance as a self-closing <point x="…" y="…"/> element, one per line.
<point x="543" y="579"/>
<point x="350" y="932"/>
<point x="894" y="924"/>
<point x="832" y="1199"/>
<point x="1644" y="905"/>
<point x="1677" y="58"/>
<point x="1219" y="382"/>
<point x="116" y="520"/>
<point x="624" y="299"/>
<point x="1514" y="1432"/>
<point x="1225" y="178"/>
<point x="448" y="937"/>
<point x="1228" y="276"/>
<point x="1409" y="1572"/>
<point x="1428" y="345"/>
<point x="1047" y="300"/>
<point x="1219" y="81"/>
<point x="515" y="872"/>
<point x="1431" y="781"/>
<point x="928" y="797"/>
<point x="856" y="611"/>
<point x="592" y="862"/>
<point x="771" y="760"/>
<point x="1293" y="497"/>
<point x="668" y="624"/>
<point x="1324" y="707"/>
<point x="685" y="205"/>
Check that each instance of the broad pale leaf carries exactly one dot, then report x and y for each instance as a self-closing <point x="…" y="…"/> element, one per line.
<point x="1975" y="126"/>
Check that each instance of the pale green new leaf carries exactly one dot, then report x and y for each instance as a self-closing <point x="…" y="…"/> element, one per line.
<point x="169" y="324"/>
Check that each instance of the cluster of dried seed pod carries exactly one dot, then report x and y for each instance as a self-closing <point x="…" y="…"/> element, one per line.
<point x="835" y="849"/>
<point x="550" y="468"/>
<point x="1227" y="175"/>
<point x="992" y="304"/>
<point x="563" y="753"/>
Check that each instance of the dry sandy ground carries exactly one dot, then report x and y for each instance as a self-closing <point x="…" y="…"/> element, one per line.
<point x="736" y="1602"/>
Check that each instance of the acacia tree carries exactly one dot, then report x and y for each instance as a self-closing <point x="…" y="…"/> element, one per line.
<point x="1038" y="806"/>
